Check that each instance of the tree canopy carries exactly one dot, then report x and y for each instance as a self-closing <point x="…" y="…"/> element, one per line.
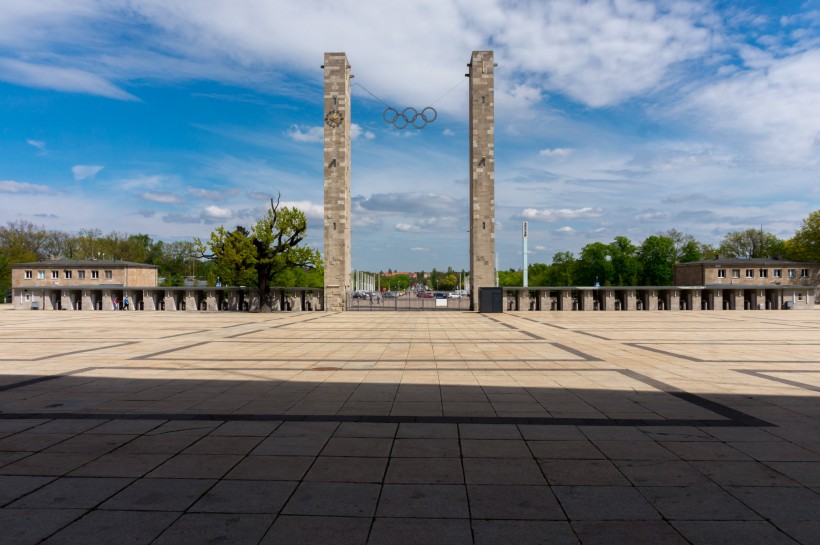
<point x="257" y="255"/>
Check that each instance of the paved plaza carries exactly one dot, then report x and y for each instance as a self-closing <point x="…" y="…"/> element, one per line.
<point x="410" y="428"/>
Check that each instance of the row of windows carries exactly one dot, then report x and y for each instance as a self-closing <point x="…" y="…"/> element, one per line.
<point x="764" y="273"/>
<point x="95" y="275"/>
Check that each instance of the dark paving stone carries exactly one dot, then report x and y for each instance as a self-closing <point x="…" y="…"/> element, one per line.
<point x="392" y="531"/>
<point x="358" y="446"/>
<point x="159" y="495"/>
<point x="423" y="501"/>
<point x="9" y="457"/>
<point x="65" y="425"/>
<point x="634" y="450"/>
<point x="15" y="425"/>
<point x="704" y="450"/>
<point x="734" y="532"/>
<point x="776" y="451"/>
<point x="582" y="472"/>
<point x="290" y="446"/>
<point x="48" y="463"/>
<point x="494" y="448"/>
<point x="804" y="531"/>
<point x="158" y="444"/>
<point x="563" y="450"/>
<point x="290" y="530"/>
<point x="223" y="445"/>
<point x="72" y="492"/>
<point x="245" y="429"/>
<point x="245" y="497"/>
<point x="120" y="527"/>
<point x="424" y="470"/>
<point x="347" y="469"/>
<point x="15" y="486"/>
<point x="273" y="468"/>
<point x="306" y="429"/>
<point x="200" y="528"/>
<point x="32" y="442"/>
<point x="488" y="431"/>
<point x="334" y="499"/>
<point x="604" y="503"/>
<point x="631" y="532"/>
<point x="366" y="429"/>
<point x="523" y="532"/>
<point x="648" y="473"/>
<point x="30" y="526"/>
<point x="93" y="443"/>
<point x="779" y="503"/>
<point x="119" y="464"/>
<point x="551" y="433"/>
<point x="742" y="474"/>
<point x="185" y="427"/>
<point x="805" y="473"/>
<point x="696" y="503"/>
<point x="513" y="502"/>
<point x="430" y="448"/>
<point x="502" y="471"/>
<point x="197" y="466"/>
<point x="410" y="430"/>
<point x="126" y="427"/>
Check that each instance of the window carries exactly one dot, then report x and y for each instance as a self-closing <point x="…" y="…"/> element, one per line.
<point x="67" y="274"/>
<point x="764" y="273"/>
<point x="799" y="296"/>
<point x="28" y="275"/>
<point x="81" y="275"/>
<point x="750" y="273"/>
<point x="735" y="273"/>
<point x="41" y="275"/>
<point x="109" y="275"/>
<point x="721" y="273"/>
<point x="791" y="272"/>
<point x="28" y="297"/>
<point x="804" y="273"/>
<point x="95" y="275"/>
<point x="778" y="273"/>
<point x="55" y="274"/>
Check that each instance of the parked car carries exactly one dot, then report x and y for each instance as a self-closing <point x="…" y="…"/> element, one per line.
<point x="425" y="294"/>
<point x="440" y="295"/>
<point x="454" y="295"/>
<point x="391" y="295"/>
<point x="359" y="294"/>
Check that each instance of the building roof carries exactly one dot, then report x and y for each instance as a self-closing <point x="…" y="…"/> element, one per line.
<point x="756" y="261"/>
<point x="80" y="263"/>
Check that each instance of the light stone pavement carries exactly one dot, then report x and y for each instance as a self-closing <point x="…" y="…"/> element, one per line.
<point x="410" y="427"/>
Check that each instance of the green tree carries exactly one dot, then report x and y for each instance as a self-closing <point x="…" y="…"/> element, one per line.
<point x="20" y="242"/>
<point x="269" y="247"/>
<point x="625" y="264"/>
<point x="805" y="244"/>
<point x="562" y="271"/>
<point x="538" y="274"/>
<point x="448" y="282"/>
<point x="751" y="243"/>
<point x="658" y="256"/>
<point x="511" y="278"/>
<point x="593" y="265"/>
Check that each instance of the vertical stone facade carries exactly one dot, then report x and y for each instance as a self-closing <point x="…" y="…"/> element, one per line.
<point x="482" y="171"/>
<point x="337" y="180"/>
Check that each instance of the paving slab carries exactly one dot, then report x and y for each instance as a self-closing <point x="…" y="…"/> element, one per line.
<point x="434" y="427"/>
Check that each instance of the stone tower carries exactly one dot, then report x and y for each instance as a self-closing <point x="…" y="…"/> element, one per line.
<point x="482" y="172"/>
<point x="337" y="180"/>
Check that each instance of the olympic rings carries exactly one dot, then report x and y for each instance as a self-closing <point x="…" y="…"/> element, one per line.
<point x="409" y="116"/>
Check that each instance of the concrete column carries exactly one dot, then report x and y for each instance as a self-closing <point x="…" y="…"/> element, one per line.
<point x="546" y="300"/>
<point x="631" y="300"/>
<point x="674" y="300"/>
<point x="190" y="301"/>
<point x="211" y="300"/>
<point x="588" y="298"/>
<point x="337" y="180"/>
<point x="149" y="300"/>
<point x="482" y="171"/>
<point x="697" y="301"/>
<point x="88" y="302"/>
<point x="652" y="297"/>
<point x="566" y="300"/>
<point x="608" y="300"/>
<point x="739" y="299"/>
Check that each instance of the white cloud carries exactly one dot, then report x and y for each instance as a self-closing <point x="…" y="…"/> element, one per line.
<point x="563" y="213"/>
<point x="299" y="133"/>
<point x="213" y="194"/>
<point x="146" y="182"/>
<point x="419" y="249"/>
<point x="10" y="186"/>
<point x="39" y="144"/>
<point x="356" y="131"/>
<point x="652" y="215"/>
<point x="165" y="198"/>
<point x="556" y="152"/>
<point x="69" y="80"/>
<point x="85" y="172"/>
<point x="310" y="209"/>
<point x="407" y="227"/>
<point x="566" y="230"/>
<point x="216" y="213"/>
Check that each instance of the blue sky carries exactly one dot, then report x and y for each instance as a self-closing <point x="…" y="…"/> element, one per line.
<point x="618" y="117"/>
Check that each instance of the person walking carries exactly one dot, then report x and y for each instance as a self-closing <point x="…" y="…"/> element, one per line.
<point x="125" y="303"/>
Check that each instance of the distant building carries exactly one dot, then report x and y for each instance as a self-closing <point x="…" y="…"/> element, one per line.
<point x="747" y="272"/>
<point x="69" y="272"/>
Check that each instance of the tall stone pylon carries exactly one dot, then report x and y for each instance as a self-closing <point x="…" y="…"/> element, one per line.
<point x="482" y="172"/>
<point x="337" y="181"/>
